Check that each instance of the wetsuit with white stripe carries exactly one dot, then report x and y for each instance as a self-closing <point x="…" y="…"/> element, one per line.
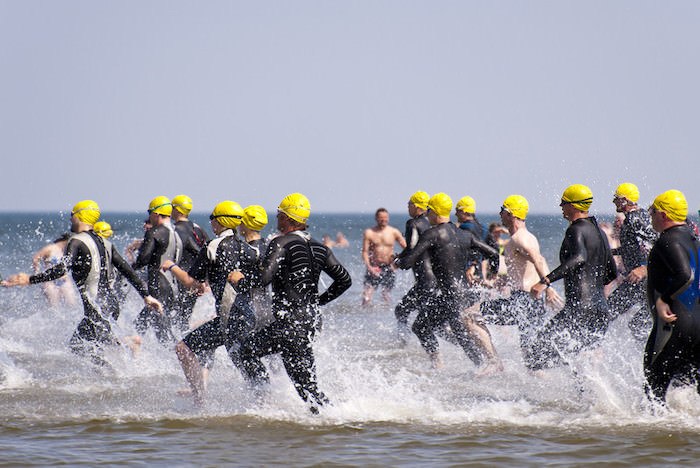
<point x="160" y="243"/>
<point x="193" y="239"/>
<point x="586" y="267"/>
<point x="90" y="260"/>
<point x="234" y="315"/>
<point x="293" y="265"/>
<point x="448" y="248"/>
<point x="673" y="350"/>
<point x="636" y="239"/>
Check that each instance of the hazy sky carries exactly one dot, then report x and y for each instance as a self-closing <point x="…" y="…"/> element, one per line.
<point x="357" y="104"/>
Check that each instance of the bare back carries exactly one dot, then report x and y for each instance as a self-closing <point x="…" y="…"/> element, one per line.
<point x="521" y="254"/>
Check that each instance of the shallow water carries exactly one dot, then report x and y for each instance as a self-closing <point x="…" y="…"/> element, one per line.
<point x="389" y="406"/>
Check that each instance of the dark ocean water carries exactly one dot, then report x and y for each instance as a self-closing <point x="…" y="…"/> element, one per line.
<point x="390" y="407"/>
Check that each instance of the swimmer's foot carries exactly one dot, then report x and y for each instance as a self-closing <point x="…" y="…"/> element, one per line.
<point x="133" y="343"/>
<point x="436" y="360"/>
<point x="492" y="367"/>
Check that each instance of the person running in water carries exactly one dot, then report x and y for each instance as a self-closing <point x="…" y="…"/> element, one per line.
<point x="160" y="243"/>
<point x="673" y="289"/>
<point x="193" y="239"/>
<point x="525" y="265"/>
<point x="465" y="210"/>
<point x="636" y="239"/>
<point x="424" y="287"/>
<point x="448" y="247"/>
<point x="378" y="254"/>
<point x="254" y="220"/>
<point x="586" y="267"/>
<point x="90" y="260"/>
<point x="234" y="316"/>
<point x="293" y="265"/>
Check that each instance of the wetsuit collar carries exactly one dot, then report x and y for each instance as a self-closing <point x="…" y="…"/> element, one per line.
<point x="303" y="234"/>
<point x="227" y="233"/>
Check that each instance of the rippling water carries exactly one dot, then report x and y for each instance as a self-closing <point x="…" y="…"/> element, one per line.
<point x="389" y="406"/>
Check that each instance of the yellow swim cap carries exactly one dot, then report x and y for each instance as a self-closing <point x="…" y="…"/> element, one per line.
<point x="87" y="211"/>
<point x="183" y="204"/>
<point x="296" y="206"/>
<point x="579" y="196"/>
<point x="161" y="205"/>
<point x="441" y="204"/>
<point x="420" y="199"/>
<point x="466" y="204"/>
<point x="516" y="205"/>
<point x="674" y="204"/>
<point x="103" y="229"/>
<point x="227" y="213"/>
<point x="255" y="217"/>
<point x="629" y="191"/>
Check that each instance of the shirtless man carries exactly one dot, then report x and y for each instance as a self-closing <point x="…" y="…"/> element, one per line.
<point x="378" y="255"/>
<point x="525" y="268"/>
<point x="60" y="291"/>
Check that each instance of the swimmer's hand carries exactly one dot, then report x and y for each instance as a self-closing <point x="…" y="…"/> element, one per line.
<point x="537" y="289"/>
<point x="637" y="274"/>
<point x="235" y="276"/>
<point x="20" y="279"/>
<point x="471" y="275"/>
<point x="553" y="299"/>
<point x="166" y="265"/>
<point x="153" y="303"/>
<point x="663" y="310"/>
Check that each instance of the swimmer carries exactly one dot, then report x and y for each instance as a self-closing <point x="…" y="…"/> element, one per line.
<point x="61" y="290"/>
<point x="447" y="247"/>
<point x="417" y="297"/>
<point x="586" y="267"/>
<point x="234" y="317"/>
<point x="90" y="259"/>
<point x="673" y="348"/>
<point x="293" y="265"/>
<point x="525" y="265"/>
<point x="193" y="239"/>
<point x="378" y="255"/>
<point x="466" y="216"/>
<point x="160" y="243"/>
<point x="636" y="239"/>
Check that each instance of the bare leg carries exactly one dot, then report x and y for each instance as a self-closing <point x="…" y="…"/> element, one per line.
<point x="192" y="370"/>
<point x="482" y="337"/>
<point x="436" y="360"/>
<point x="132" y="342"/>
<point x="367" y="295"/>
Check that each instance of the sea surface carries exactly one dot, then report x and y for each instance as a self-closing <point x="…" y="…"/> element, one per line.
<point x="389" y="406"/>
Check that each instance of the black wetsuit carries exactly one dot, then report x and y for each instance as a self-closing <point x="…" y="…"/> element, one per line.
<point x="636" y="239"/>
<point x="293" y="265"/>
<point x="448" y="248"/>
<point x="673" y="350"/>
<point x="258" y="293"/>
<point x="480" y="232"/>
<point x="234" y="315"/>
<point x="92" y="277"/>
<point x="193" y="239"/>
<point x="586" y="266"/>
<point x="419" y="295"/>
<point x="156" y="248"/>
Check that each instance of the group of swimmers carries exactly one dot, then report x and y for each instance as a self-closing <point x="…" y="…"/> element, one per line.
<point x="242" y="269"/>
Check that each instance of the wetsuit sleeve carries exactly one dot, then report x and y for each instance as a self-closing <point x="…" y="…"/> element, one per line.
<point x="675" y="258"/>
<point x="199" y="268"/>
<point x="414" y="254"/>
<point x="646" y="236"/>
<point x="577" y="255"/>
<point x="123" y="267"/>
<point x="273" y="258"/>
<point x="75" y="250"/>
<point x="145" y="251"/>
<point x="339" y="275"/>
<point x="484" y="248"/>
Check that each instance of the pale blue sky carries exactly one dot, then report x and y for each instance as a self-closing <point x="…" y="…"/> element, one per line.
<point x="356" y="104"/>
